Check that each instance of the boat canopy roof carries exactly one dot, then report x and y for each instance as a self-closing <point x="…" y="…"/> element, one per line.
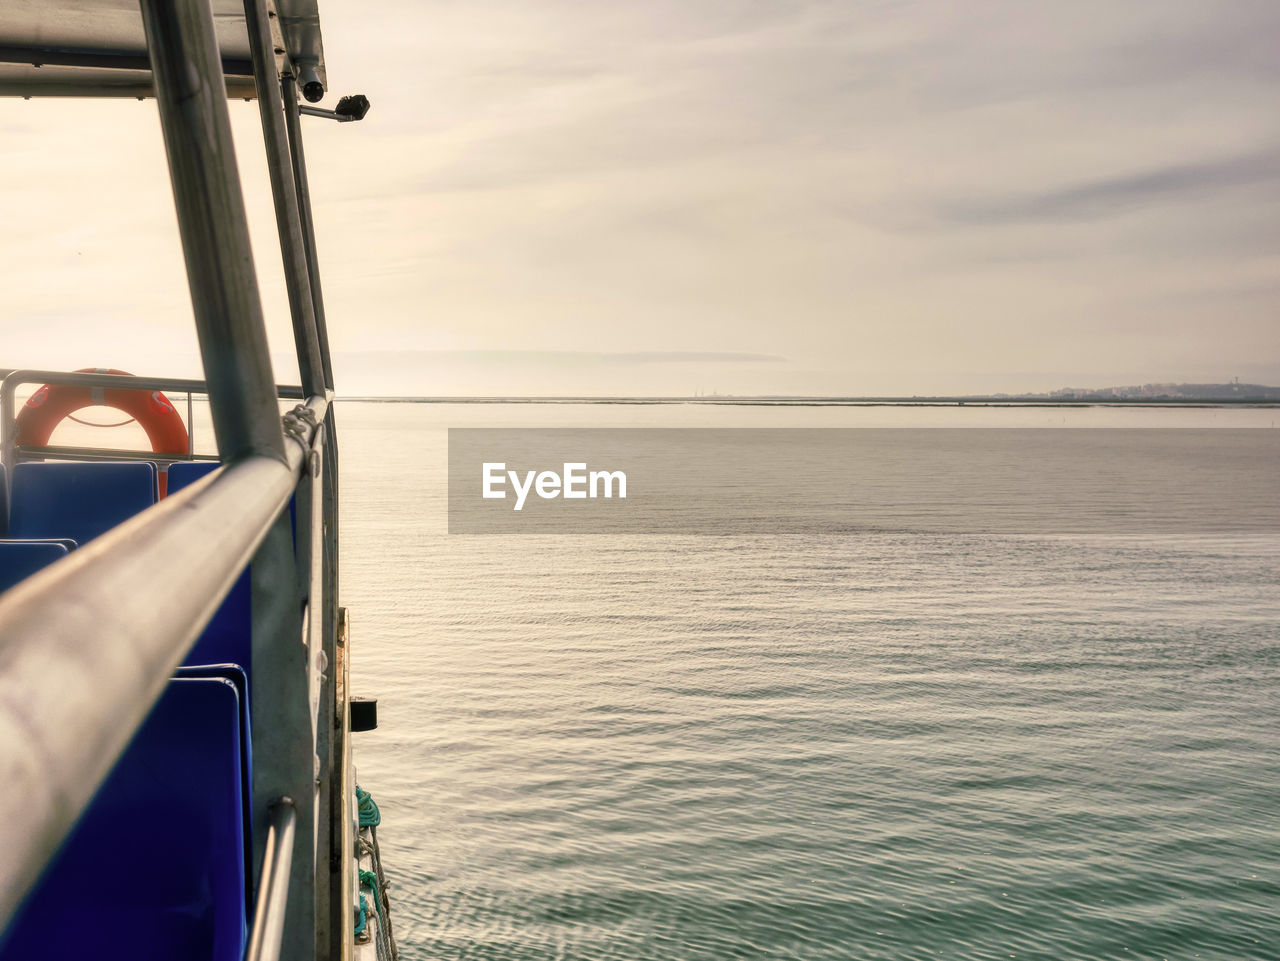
<point x="96" y="48"/>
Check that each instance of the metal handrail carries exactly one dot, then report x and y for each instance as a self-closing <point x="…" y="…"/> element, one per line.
<point x="267" y="928"/>
<point x="84" y="653"/>
<point x="13" y="379"/>
<point x="108" y="453"/>
<point x="92" y="379"/>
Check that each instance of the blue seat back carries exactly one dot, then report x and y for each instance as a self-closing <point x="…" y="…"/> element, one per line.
<point x="226" y="638"/>
<point x="4" y="503"/>
<point x="78" y="499"/>
<point x="20" y="559"/>
<point x="237" y="676"/>
<point x="186" y="472"/>
<point x="155" y="868"/>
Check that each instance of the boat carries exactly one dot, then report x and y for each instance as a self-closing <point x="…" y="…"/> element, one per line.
<point x="176" y="728"/>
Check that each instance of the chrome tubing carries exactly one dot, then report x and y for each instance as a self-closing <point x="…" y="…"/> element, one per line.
<point x="88" y="644"/>
<point x="190" y="90"/>
<point x="267" y="932"/>
<point x="307" y="111"/>
<point x="235" y="70"/>
<point x="297" y="274"/>
<point x="293" y="122"/>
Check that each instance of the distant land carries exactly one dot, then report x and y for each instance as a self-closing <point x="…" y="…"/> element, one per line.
<point x="1151" y="394"/>
<point x="1234" y="391"/>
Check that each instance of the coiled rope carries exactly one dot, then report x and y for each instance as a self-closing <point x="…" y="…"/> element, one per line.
<point x="370" y="817"/>
<point x="362" y="919"/>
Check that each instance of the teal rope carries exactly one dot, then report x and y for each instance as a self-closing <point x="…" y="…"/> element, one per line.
<point x="371" y="879"/>
<point x="362" y="919"/>
<point x="370" y="816"/>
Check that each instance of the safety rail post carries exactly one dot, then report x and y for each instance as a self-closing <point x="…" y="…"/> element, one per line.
<point x="191" y="94"/>
<point x="339" y="874"/>
<point x="283" y="736"/>
<point x="294" y="126"/>
<point x="313" y="560"/>
<point x="266" y="934"/>
<point x="297" y="273"/>
<point x="289" y="92"/>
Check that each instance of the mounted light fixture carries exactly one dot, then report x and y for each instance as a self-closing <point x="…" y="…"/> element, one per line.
<point x="309" y="80"/>
<point x="348" y="109"/>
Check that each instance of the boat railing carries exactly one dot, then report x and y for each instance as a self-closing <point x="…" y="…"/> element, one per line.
<point x="88" y="644"/>
<point x="11" y="380"/>
<point x="91" y="641"/>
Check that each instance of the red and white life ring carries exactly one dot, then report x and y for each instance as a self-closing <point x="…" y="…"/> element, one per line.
<point x="153" y="411"/>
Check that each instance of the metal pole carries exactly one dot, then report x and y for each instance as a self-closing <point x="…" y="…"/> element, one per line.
<point x="290" y="93"/>
<point x="191" y="93"/>
<point x="311" y="570"/>
<point x="288" y="221"/>
<point x="307" y="111"/>
<point x="273" y="886"/>
<point x="8" y="427"/>
<point x="283" y="739"/>
<point x="330" y="476"/>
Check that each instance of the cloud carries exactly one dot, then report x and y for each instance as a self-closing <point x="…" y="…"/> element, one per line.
<point x="1118" y="194"/>
<point x="656" y="194"/>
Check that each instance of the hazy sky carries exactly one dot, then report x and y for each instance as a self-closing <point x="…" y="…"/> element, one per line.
<point x="746" y="197"/>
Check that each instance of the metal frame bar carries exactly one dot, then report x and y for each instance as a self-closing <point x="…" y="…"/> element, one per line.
<point x="100" y="59"/>
<point x="187" y="71"/>
<point x="312" y="568"/>
<point x="13" y="379"/>
<point x="17" y="377"/>
<point x="267" y="932"/>
<point x="297" y="273"/>
<point x="105" y="453"/>
<point x="347" y="825"/>
<point x="331" y="910"/>
<point x="293" y="123"/>
<point x="283" y="734"/>
<point x="339" y="885"/>
<point x="309" y="111"/>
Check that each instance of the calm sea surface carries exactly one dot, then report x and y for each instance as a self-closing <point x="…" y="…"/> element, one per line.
<point x="890" y="745"/>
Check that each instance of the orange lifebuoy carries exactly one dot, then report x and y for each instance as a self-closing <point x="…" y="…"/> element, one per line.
<point x="153" y="411"/>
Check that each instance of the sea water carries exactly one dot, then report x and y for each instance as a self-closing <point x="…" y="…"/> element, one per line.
<point x="892" y="745"/>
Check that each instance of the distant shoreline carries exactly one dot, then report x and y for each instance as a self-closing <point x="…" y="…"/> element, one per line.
<point x="1173" y="402"/>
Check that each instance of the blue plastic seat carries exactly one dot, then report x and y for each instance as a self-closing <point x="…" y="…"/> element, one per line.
<point x="155" y="869"/>
<point x="226" y="638"/>
<point x="237" y="676"/>
<point x="20" y="559"/>
<point x="78" y="499"/>
<point x="186" y="472"/>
